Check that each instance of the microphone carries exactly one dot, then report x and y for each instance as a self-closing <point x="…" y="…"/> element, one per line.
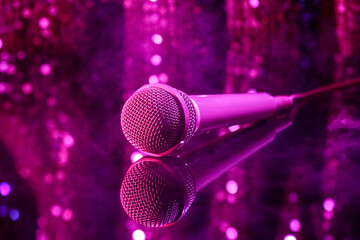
<point x="158" y="119"/>
<point x="157" y="192"/>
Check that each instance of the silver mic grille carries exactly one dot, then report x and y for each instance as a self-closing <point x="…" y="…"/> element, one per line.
<point x="155" y="119"/>
<point x="155" y="194"/>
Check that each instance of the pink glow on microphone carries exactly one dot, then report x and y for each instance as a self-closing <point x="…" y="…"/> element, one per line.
<point x="138" y="234"/>
<point x="5" y="189"/>
<point x="231" y="187"/>
<point x="157" y="38"/>
<point x="156" y="60"/>
<point x="289" y="237"/>
<point x="135" y="156"/>
<point x="44" y="23"/>
<point x="295" y="225"/>
<point x="45" y="69"/>
<point x="329" y="204"/>
<point x="231" y="233"/>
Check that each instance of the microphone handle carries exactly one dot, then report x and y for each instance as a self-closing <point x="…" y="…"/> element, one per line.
<point x="217" y="157"/>
<point x="222" y="110"/>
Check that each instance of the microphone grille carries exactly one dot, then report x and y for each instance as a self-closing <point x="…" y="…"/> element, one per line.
<point x="155" y="194"/>
<point x="153" y="120"/>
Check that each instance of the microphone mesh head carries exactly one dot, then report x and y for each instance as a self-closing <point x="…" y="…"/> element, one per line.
<point x="153" y="120"/>
<point x="155" y="194"/>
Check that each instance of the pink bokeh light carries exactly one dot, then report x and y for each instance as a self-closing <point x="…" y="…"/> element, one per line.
<point x="295" y="225"/>
<point x="45" y="69"/>
<point x="138" y="234"/>
<point x="56" y="210"/>
<point x="163" y="77"/>
<point x="67" y="215"/>
<point x="44" y="23"/>
<point x="329" y="204"/>
<point x="68" y="140"/>
<point x="5" y="189"/>
<point x="289" y="237"/>
<point x="1" y="43"/>
<point x="254" y="3"/>
<point x="157" y="38"/>
<point x="156" y="60"/>
<point x="153" y="79"/>
<point x="231" y="233"/>
<point x="3" y="87"/>
<point x="27" y="88"/>
<point x="231" y="187"/>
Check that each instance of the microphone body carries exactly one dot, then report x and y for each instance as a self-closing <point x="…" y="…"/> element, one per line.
<point x="158" y="119"/>
<point x="157" y="192"/>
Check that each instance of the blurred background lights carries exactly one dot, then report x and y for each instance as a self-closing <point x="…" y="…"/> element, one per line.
<point x="5" y="189"/>
<point x="44" y="23"/>
<point x="231" y="187"/>
<point x="295" y="225"/>
<point x="56" y="210"/>
<point x="45" y="69"/>
<point x="157" y="38"/>
<point x="68" y="141"/>
<point x="14" y="214"/>
<point x="135" y="156"/>
<point x="153" y="79"/>
<point x="231" y="233"/>
<point x="156" y="60"/>
<point x="233" y="128"/>
<point x="138" y="234"/>
<point x="3" y="211"/>
<point x="329" y="204"/>
<point x="27" y="88"/>
<point x="163" y="77"/>
<point x="289" y="237"/>
<point x="254" y="3"/>
<point x="2" y="87"/>
<point x="1" y="43"/>
<point x="67" y="214"/>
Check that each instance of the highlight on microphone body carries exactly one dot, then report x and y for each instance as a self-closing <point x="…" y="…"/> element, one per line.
<point x="157" y="193"/>
<point x="157" y="119"/>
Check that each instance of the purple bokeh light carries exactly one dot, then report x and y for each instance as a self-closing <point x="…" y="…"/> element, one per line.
<point x="3" y="87"/>
<point x="14" y="214"/>
<point x="5" y="189"/>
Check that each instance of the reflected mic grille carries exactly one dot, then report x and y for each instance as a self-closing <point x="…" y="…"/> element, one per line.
<point x="153" y="120"/>
<point x="154" y="194"/>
